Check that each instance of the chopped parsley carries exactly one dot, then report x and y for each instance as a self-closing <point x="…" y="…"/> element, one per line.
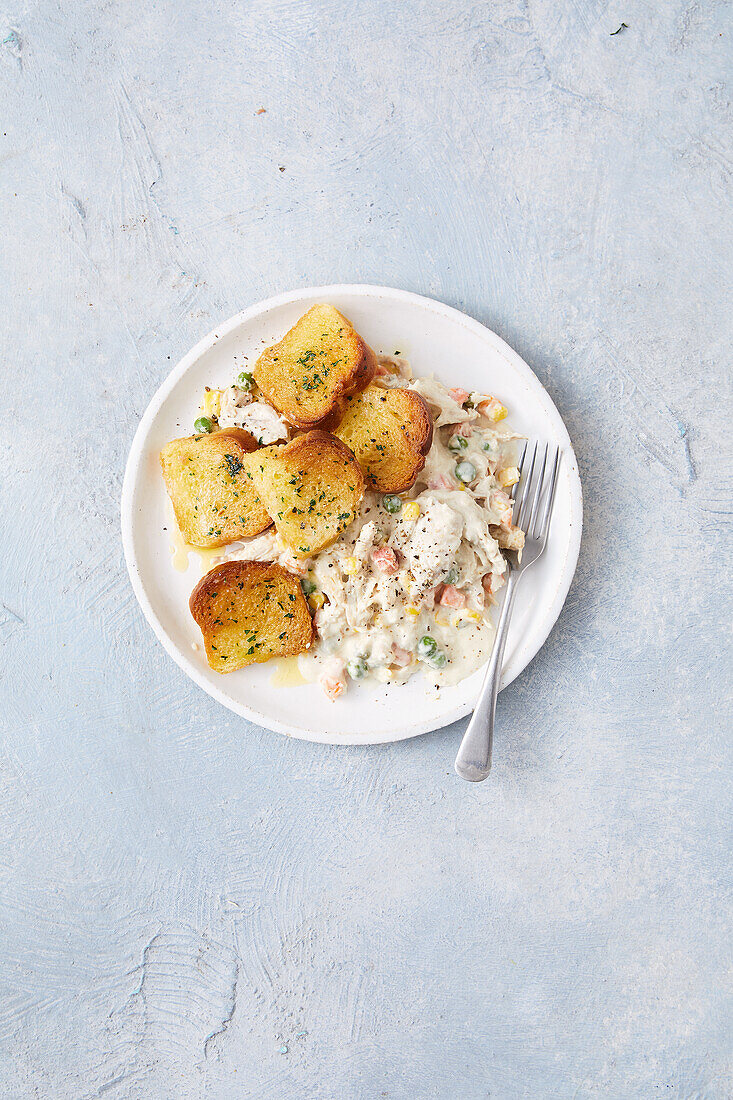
<point x="233" y="465"/>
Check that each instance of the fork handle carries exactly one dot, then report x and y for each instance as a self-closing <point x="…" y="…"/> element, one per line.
<point x="473" y="761"/>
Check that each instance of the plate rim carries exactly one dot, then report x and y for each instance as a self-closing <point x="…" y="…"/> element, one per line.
<point x="205" y="344"/>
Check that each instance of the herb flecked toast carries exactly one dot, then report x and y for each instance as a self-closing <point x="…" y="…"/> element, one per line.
<point x="248" y="612"/>
<point x="319" y="362"/>
<point x="390" y="432"/>
<point x="312" y="488"/>
<point x="214" y="500"/>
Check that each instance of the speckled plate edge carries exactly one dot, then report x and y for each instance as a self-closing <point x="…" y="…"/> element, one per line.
<point x="518" y="660"/>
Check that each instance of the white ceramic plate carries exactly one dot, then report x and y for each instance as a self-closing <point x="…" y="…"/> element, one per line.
<point x="436" y="339"/>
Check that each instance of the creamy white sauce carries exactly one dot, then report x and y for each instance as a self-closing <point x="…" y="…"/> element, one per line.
<point x="237" y="409"/>
<point x="371" y="622"/>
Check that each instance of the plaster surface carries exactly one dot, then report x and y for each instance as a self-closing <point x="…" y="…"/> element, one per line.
<point x="195" y="907"/>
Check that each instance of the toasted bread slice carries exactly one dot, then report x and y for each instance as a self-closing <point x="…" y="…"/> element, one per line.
<point x="390" y="432"/>
<point x="250" y="611"/>
<point x="214" y="500"/>
<point x="321" y="360"/>
<point x="312" y="488"/>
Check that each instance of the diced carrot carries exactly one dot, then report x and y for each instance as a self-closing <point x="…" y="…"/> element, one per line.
<point x="492" y="409"/>
<point x="385" y="560"/>
<point x="440" y="482"/>
<point x="452" y="597"/>
<point x="459" y="396"/>
<point x="332" y="687"/>
<point x="400" y="657"/>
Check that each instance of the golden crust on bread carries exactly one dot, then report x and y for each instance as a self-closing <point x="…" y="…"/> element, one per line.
<point x="214" y="500"/>
<point x="319" y="362"/>
<point x="250" y="611"/>
<point x="390" y="432"/>
<point x="312" y="488"/>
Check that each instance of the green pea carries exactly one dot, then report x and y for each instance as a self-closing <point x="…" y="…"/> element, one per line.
<point x="307" y="586"/>
<point x="358" y="668"/>
<point x="391" y="504"/>
<point x="452" y="575"/>
<point x="457" y="443"/>
<point x="245" y="380"/>
<point x="203" y="424"/>
<point x="465" y="472"/>
<point x="426" y="647"/>
<point x="439" y="660"/>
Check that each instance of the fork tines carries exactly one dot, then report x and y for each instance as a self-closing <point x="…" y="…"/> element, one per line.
<point x="538" y="471"/>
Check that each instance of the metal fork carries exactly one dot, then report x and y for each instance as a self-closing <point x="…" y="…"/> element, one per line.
<point x="474" y="756"/>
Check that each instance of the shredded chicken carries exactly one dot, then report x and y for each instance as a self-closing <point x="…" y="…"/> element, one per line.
<point x="410" y="589"/>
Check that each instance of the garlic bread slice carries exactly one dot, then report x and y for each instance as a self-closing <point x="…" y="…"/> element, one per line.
<point x="321" y="360"/>
<point x="214" y="500"/>
<point x="390" y="431"/>
<point x="312" y="488"/>
<point x="250" y="611"/>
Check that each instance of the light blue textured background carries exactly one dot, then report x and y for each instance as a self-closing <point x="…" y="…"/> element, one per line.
<point x="190" y="906"/>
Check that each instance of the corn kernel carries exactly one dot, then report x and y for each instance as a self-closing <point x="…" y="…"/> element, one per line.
<point x="492" y="409"/>
<point x="411" y="510"/>
<point x="378" y="620"/>
<point x="464" y="617"/>
<point x="350" y="566"/>
<point x="412" y="611"/>
<point x="211" y="404"/>
<point x="406" y="580"/>
<point x="316" y="600"/>
<point x="507" y="477"/>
